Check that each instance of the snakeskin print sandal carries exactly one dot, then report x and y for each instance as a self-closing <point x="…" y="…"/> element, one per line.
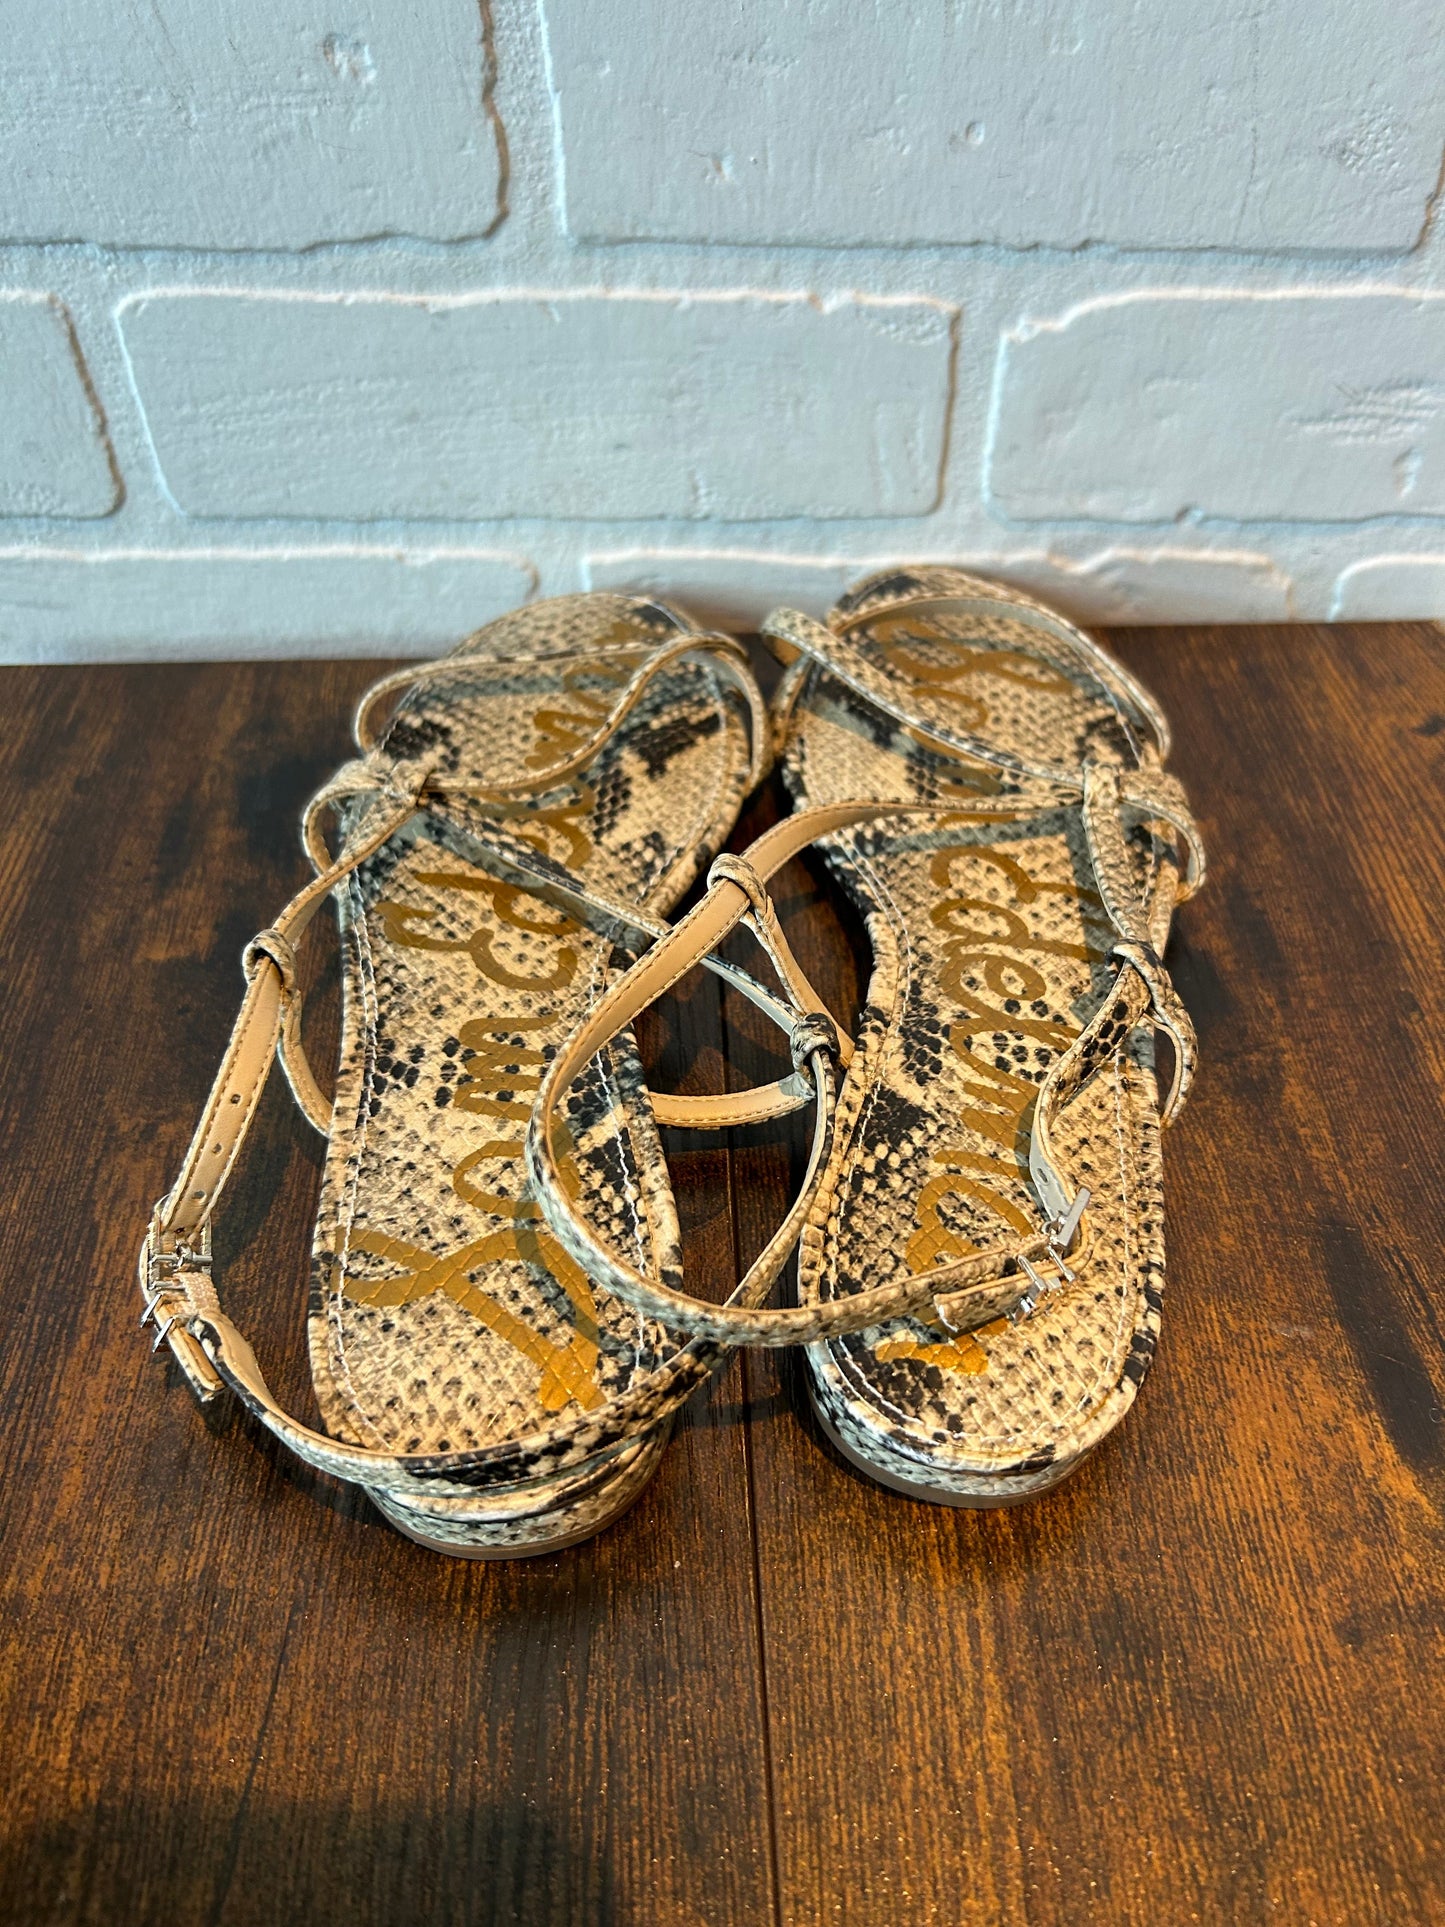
<point x="981" y="1266"/>
<point x="539" y="797"/>
<point x="1004" y="1087"/>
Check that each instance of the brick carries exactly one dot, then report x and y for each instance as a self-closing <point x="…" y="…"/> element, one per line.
<point x="730" y="588"/>
<point x="733" y="588"/>
<point x="384" y="407"/>
<point x="187" y="124"/>
<point x="1163" y="125"/>
<point x="78" y="605"/>
<point x="54" y="455"/>
<point x="1152" y="407"/>
<point x="1391" y="588"/>
<point x="1121" y="585"/>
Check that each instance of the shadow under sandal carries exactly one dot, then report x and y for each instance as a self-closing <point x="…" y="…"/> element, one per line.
<point x="539" y="798"/>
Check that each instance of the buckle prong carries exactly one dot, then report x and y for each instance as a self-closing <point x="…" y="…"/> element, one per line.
<point x="1064" y="1230"/>
<point x="163" y="1329"/>
<point x="1060" y="1239"/>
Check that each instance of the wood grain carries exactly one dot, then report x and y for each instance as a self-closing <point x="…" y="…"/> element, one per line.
<point x="229" y="1693"/>
<point x="1200" y="1682"/>
<point x="1203" y="1680"/>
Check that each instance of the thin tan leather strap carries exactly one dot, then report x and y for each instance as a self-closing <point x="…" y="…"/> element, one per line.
<point x="1148" y="792"/>
<point x="176" y="1249"/>
<point x="735" y="895"/>
<point x="214" y="1356"/>
<point x="705" y="646"/>
<point x="763" y="919"/>
<point x="174" y="1268"/>
<point x="270" y="967"/>
<point x="959" y="1294"/>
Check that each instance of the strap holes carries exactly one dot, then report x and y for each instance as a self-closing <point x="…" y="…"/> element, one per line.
<point x="235" y="1097"/>
<point x="215" y="1150"/>
<point x="198" y="1195"/>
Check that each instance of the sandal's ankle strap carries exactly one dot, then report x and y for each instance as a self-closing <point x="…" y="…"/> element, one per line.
<point x="175" y="1256"/>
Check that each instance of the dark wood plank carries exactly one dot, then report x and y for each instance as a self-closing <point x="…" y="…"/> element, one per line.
<point x="229" y="1693"/>
<point x="1203" y="1680"/>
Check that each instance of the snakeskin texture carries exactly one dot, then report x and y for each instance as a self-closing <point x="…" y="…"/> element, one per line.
<point x="992" y="945"/>
<point x="445" y="1323"/>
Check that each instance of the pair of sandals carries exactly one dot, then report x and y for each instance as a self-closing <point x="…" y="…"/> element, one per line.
<point x="499" y="1325"/>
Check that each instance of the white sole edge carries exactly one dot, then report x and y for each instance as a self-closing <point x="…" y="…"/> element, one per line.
<point x="1012" y="1488"/>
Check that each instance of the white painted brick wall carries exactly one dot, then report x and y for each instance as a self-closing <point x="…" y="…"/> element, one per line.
<point x="592" y="406"/>
<point x="342" y="330"/>
<point x="1285" y="407"/>
<point x="1022" y="122"/>
<point x="187" y="124"/>
<point x="55" y="461"/>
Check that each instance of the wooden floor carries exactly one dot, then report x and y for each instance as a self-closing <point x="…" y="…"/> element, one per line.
<point x="1202" y="1682"/>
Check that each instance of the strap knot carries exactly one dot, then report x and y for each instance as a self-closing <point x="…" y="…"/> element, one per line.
<point x="1144" y="957"/>
<point x="814" y="1031"/>
<point x="1169" y="1014"/>
<point x="1155" y="794"/>
<point x="279" y="950"/>
<point x="729" y="868"/>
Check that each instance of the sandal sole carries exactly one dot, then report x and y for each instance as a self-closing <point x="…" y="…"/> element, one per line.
<point x="1009" y="1489"/>
<point x="388" y="962"/>
<point x="533" y="1536"/>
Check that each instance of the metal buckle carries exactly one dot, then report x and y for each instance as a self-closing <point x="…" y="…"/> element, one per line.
<point x="154" y="1259"/>
<point x="1064" y="1230"/>
<point x="170" y="1318"/>
<point x="163" y="1325"/>
<point x="1061" y="1235"/>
